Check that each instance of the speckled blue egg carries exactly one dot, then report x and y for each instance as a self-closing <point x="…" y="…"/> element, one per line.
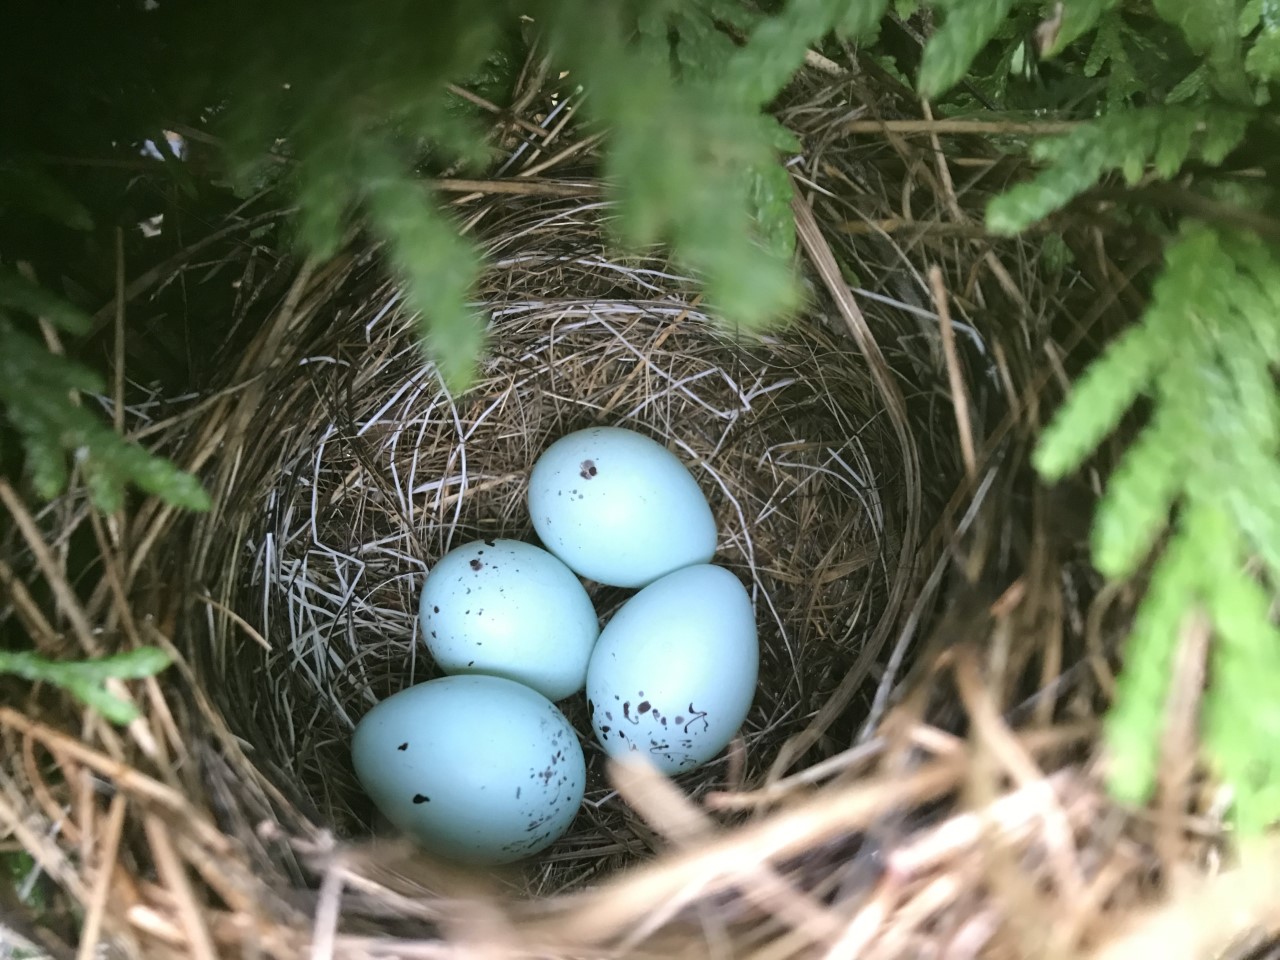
<point x="479" y="770"/>
<point x="509" y="609"/>
<point x="674" y="672"/>
<point x="619" y="508"/>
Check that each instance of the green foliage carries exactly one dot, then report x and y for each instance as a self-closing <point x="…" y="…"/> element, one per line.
<point x="690" y="155"/>
<point x="1078" y="18"/>
<point x="1210" y="29"/>
<point x="1261" y="19"/>
<point x="86" y="679"/>
<point x="36" y="390"/>
<point x="1128" y="141"/>
<point x="968" y="26"/>
<point x="1206" y="355"/>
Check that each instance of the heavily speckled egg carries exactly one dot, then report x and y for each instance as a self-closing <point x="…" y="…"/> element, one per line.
<point x="509" y="609"/>
<point x="674" y="672"/>
<point x="619" y="508"/>
<point x="479" y="770"/>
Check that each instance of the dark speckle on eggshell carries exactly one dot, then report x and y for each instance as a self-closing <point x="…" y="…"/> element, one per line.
<point x="421" y="798"/>
<point x="477" y="564"/>
<point x="403" y="746"/>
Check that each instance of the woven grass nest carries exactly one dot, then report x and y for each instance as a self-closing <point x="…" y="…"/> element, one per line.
<point x="365" y="472"/>
<point x="916" y="776"/>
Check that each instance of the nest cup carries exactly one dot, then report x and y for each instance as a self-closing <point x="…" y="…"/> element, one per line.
<point x="361" y="471"/>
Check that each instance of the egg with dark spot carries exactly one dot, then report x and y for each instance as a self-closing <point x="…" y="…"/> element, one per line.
<point x="532" y="622"/>
<point x="634" y="511"/>
<point x="682" y="658"/>
<point x="480" y="770"/>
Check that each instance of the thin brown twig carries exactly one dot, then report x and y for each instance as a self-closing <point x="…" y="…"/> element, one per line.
<point x="68" y="604"/>
<point x="95" y="909"/>
<point x="117" y="409"/>
<point x="996" y="736"/>
<point x="1043" y="127"/>
<point x="518" y="187"/>
<point x="959" y="393"/>
<point x="174" y="875"/>
<point x="483" y="104"/>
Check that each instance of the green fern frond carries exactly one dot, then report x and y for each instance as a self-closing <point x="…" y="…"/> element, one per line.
<point x="1263" y="58"/>
<point x="86" y="679"/>
<point x="1140" y="493"/>
<point x="1098" y="400"/>
<point x="437" y="267"/>
<point x="1242" y="705"/>
<point x="1190" y="88"/>
<point x="20" y="294"/>
<point x="1128" y="141"/>
<point x="1211" y="29"/>
<point x="777" y="46"/>
<point x="861" y="20"/>
<point x="35" y="390"/>
<point x="1135" y="721"/>
<point x="1078" y="18"/>
<point x="1211" y="456"/>
<point x="969" y="25"/>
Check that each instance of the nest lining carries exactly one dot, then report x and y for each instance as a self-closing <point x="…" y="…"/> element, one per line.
<point x="371" y="471"/>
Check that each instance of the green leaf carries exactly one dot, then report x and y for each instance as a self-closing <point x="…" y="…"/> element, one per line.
<point x="969" y="26"/>
<point x="1245" y="664"/>
<point x="1134" y="723"/>
<point x="1078" y="18"/>
<point x="1099" y="398"/>
<point x="1123" y="140"/>
<point x="85" y="679"/>
<point x="35" y="394"/>
<point x="777" y="46"/>
<point x="1263" y="58"/>
<point x="19" y="293"/>
<point x="861" y="19"/>
<point x="1141" y="492"/>
<point x="437" y="267"/>
<point x="1190" y="87"/>
<point x="1210" y="28"/>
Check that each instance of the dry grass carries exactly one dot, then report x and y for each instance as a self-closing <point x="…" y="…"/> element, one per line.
<point x="918" y="777"/>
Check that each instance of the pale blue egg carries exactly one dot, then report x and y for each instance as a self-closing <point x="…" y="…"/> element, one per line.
<point x="509" y="609"/>
<point x="479" y="770"/>
<point x="619" y="508"/>
<point x="674" y="672"/>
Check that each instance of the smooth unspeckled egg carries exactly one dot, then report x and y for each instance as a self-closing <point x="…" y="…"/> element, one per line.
<point x="674" y="672"/>
<point x="619" y="507"/>
<point x="480" y="770"/>
<point x="509" y="609"/>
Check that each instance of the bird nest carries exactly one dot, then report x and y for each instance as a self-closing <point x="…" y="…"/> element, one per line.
<point x="365" y="471"/>
<point x="914" y="777"/>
